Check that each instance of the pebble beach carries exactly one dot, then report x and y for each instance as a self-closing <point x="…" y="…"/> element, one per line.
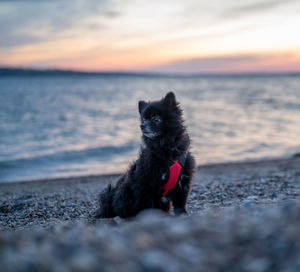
<point x="242" y="217"/>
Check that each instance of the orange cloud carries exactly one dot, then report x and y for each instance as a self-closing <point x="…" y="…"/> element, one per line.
<point x="263" y="62"/>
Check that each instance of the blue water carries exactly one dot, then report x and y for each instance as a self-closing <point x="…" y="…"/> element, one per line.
<point x="83" y="125"/>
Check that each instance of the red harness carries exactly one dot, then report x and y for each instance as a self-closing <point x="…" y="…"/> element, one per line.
<point x="174" y="172"/>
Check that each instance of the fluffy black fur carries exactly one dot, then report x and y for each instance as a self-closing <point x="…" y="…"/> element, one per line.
<point x="164" y="140"/>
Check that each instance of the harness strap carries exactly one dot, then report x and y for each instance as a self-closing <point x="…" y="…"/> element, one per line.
<point x="174" y="174"/>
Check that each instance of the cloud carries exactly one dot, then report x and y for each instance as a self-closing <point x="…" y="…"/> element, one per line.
<point x="231" y="64"/>
<point x="27" y="21"/>
<point x="11" y="40"/>
<point x="203" y="64"/>
<point x="244" y="8"/>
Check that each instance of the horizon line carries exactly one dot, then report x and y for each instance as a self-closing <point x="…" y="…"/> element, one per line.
<point x="53" y="71"/>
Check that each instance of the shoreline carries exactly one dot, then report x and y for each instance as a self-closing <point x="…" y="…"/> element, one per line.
<point x="111" y="175"/>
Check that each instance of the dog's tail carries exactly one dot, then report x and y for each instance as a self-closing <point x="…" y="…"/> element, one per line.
<point x="105" y="201"/>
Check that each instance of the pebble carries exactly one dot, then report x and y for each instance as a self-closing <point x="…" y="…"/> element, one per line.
<point x="253" y="197"/>
<point x="5" y="209"/>
<point x="234" y="240"/>
<point x="238" y="222"/>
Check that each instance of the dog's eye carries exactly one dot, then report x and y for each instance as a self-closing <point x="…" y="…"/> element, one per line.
<point x="156" y="119"/>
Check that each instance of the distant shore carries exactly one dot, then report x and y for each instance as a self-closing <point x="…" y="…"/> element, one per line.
<point x="22" y="71"/>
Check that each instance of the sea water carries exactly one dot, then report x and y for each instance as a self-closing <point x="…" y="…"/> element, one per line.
<point x="62" y="126"/>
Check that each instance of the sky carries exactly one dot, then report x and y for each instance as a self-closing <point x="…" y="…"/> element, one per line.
<point x="170" y="36"/>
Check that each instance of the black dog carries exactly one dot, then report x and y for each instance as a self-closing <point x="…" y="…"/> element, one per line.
<point x="164" y="170"/>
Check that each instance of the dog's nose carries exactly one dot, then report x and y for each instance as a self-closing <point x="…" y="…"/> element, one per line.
<point x="142" y="126"/>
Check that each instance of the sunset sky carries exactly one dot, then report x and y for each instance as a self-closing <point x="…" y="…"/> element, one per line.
<point x="160" y="36"/>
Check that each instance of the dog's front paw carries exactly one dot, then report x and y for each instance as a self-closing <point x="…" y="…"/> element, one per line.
<point x="165" y="200"/>
<point x="179" y="211"/>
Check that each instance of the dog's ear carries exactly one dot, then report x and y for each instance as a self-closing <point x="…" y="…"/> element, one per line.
<point x="170" y="100"/>
<point x="142" y="105"/>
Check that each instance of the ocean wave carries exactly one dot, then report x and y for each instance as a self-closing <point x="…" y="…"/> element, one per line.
<point x="99" y="153"/>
